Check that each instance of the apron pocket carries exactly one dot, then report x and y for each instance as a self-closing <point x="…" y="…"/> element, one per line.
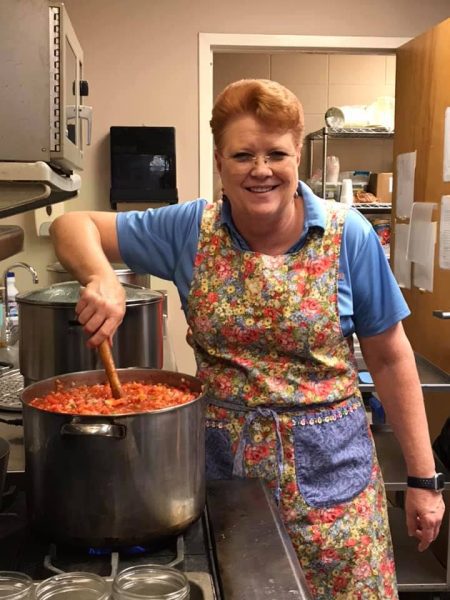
<point x="333" y="455"/>
<point x="219" y="456"/>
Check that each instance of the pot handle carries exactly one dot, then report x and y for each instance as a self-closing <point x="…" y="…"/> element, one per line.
<point x="99" y="429"/>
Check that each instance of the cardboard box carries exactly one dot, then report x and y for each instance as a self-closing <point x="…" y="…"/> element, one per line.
<point x="380" y="185"/>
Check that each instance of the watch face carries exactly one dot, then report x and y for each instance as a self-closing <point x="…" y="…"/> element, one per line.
<point x="440" y="481"/>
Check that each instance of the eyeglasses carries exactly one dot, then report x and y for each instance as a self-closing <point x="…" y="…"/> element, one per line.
<point x="244" y="161"/>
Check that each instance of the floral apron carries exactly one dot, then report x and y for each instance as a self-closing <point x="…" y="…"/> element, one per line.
<point x="284" y="403"/>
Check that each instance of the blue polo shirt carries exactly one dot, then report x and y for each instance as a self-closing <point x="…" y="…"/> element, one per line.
<point x="163" y="242"/>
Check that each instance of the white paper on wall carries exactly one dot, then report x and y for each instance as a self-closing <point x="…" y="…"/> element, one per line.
<point x="444" y="233"/>
<point x="421" y="242"/>
<point x="423" y="273"/>
<point x="446" y="164"/>
<point x="405" y="171"/>
<point x="402" y="266"/>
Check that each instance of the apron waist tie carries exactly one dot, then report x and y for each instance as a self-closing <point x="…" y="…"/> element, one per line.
<point x="239" y="458"/>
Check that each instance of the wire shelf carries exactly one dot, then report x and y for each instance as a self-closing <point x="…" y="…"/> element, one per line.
<point x="352" y="132"/>
<point x="373" y="207"/>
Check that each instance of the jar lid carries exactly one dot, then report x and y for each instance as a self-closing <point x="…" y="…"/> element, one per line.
<point x="152" y="582"/>
<point x="73" y="586"/>
<point x="15" y="585"/>
<point x="67" y="294"/>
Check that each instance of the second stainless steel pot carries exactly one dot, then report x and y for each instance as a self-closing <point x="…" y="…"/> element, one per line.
<point x="52" y="342"/>
<point x="114" y="480"/>
<point x="59" y="274"/>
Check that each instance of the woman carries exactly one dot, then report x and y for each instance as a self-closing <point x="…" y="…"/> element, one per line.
<point x="274" y="282"/>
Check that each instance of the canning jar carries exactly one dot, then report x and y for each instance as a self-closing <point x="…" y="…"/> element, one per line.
<point x="152" y="582"/>
<point x="73" y="586"/>
<point x="15" y="586"/>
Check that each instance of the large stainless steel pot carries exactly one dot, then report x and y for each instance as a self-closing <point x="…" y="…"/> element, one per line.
<point x="119" y="480"/>
<point x="58" y="274"/>
<point x="51" y="341"/>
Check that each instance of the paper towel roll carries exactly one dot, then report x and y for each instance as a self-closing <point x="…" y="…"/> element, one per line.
<point x="43" y="217"/>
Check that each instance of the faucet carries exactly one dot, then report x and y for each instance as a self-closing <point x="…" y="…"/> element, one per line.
<point x="34" y="275"/>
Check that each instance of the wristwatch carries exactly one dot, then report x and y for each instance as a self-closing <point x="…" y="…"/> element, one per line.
<point x="435" y="483"/>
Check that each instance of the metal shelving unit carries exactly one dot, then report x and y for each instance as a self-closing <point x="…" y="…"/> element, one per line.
<point x="327" y="133"/>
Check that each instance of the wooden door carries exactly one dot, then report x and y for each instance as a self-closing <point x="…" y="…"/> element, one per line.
<point x="422" y="95"/>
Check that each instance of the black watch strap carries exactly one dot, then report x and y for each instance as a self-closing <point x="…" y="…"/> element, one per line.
<point x="428" y="483"/>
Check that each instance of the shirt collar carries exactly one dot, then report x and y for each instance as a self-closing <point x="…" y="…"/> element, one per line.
<point x="315" y="215"/>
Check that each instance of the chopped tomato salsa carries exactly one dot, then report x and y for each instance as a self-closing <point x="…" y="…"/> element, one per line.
<point x="97" y="399"/>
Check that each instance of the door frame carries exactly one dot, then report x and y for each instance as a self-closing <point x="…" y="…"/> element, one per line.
<point x="208" y="43"/>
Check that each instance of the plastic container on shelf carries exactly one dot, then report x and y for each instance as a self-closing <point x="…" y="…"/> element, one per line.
<point x="158" y="582"/>
<point x="73" y="586"/>
<point x="332" y="169"/>
<point x="360" y="179"/>
<point x="332" y="190"/>
<point x="383" y="230"/>
<point x="15" y="586"/>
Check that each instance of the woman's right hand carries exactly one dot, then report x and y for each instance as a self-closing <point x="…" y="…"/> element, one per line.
<point x="101" y="308"/>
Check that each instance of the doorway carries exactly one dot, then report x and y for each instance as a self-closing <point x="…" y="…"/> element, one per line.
<point x="210" y="43"/>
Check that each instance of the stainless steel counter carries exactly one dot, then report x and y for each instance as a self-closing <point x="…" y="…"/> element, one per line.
<point x="255" y="556"/>
<point x="431" y="378"/>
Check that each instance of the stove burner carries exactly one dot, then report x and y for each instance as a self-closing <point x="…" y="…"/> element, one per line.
<point x="128" y="551"/>
<point x="52" y="557"/>
<point x="174" y="559"/>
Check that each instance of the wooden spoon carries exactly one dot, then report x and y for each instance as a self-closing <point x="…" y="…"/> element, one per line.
<point x="111" y="373"/>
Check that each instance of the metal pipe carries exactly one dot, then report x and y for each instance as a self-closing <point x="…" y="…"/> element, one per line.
<point x="324" y="162"/>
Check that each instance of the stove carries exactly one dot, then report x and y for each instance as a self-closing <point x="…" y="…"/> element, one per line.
<point x="22" y="550"/>
<point x="237" y="550"/>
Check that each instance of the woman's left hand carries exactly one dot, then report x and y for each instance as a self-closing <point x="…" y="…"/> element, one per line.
<point x="424" y="512"/>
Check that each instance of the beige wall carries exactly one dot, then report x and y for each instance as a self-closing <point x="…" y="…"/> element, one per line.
<point x="141" y="63"/>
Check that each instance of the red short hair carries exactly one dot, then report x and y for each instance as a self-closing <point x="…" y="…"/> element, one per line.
<point x="267" y="101"/>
